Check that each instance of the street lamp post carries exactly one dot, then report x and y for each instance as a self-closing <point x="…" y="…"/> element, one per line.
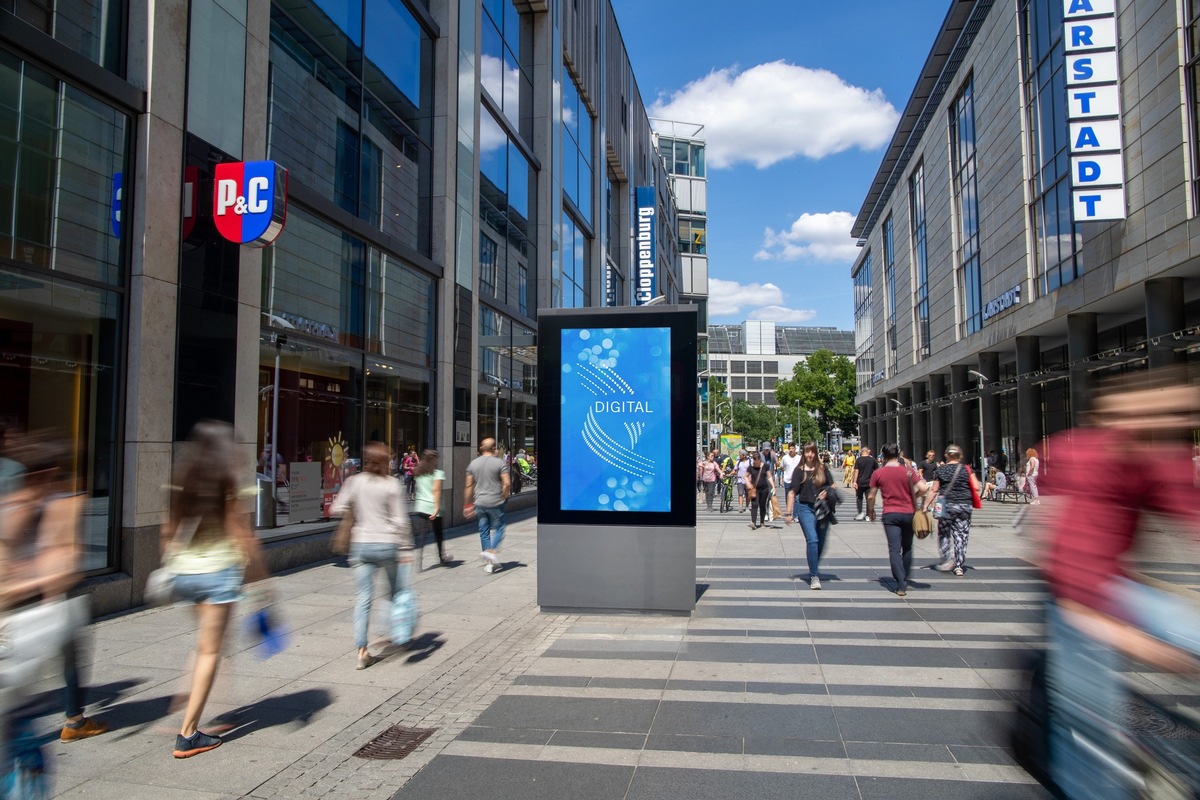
<point x="899" y="406"/>
<point x="979" y="376"/>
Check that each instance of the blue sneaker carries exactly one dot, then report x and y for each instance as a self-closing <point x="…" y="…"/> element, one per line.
<point x="194" y="745"/>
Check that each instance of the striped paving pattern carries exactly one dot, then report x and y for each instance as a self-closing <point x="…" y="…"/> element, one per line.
<point x="771" y="689"/>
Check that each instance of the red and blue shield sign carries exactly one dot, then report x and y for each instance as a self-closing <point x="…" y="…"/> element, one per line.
<point x="250" y="201"/>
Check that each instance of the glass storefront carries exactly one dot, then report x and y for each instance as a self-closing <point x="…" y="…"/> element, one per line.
<point x="59" y="373"/>
<point x="507" y="394"/>
<point x="62" y="268"/>
<point x="351" y="330"/>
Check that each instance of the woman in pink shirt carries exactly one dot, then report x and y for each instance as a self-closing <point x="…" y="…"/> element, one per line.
<point x="897" y="481"/>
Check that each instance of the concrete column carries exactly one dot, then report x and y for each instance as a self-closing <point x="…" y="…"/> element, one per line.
<point x="937" y="417"/>
<point x="1082" y="337"/>
<point x="989" y="365"/>
<point x="881" y="423"/>
<point x="892" y="414"/>
<point x="920" y="420"/>
<point x="906" y="421"/>
<point x="961" y="410"/>
<point x="863" y="415"/>
<point x="871" y="438"/>
<point x="1029" y="396"/>
<point x="1164" y="315"/>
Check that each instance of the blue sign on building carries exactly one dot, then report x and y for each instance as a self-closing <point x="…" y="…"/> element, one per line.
<point x="646" y="284"/>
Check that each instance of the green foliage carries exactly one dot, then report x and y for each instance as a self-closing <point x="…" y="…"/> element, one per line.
<point x="755" y="422"/>
<point x="717" y="391"/>
<point x="809" y="430"/>
<point x="831" y="399"/>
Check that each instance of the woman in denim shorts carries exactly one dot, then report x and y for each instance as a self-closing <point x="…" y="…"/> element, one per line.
<point x="380" y="539"/>
<point x="209" y="546"/>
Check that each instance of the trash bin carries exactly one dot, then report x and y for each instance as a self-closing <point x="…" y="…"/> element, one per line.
<point x="264" y="505"/>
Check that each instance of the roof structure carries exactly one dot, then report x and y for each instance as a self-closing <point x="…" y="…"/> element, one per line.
<point x="790" y="340"/>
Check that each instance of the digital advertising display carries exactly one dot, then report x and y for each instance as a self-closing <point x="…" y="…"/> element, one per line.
<point x="616" y="419"/>
<point x="617" y="415"/>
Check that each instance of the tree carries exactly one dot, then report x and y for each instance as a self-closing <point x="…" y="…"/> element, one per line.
<point x="822" y="386"/>
<point x="756" y="423"/>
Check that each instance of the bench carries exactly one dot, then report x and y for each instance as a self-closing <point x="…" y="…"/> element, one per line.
<point x="1010" y="491"/>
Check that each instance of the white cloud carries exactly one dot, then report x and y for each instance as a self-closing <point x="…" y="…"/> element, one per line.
<point x="727" y="298"/>
<point x="788" y="316"/>
<point x="775" y="111"/>
<point x="812" y="237"/>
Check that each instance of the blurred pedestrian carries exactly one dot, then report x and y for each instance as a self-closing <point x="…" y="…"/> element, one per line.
<point x="428" y="505"/>
<point x="210" y="548"/>
<point x="709" y="474"/>
<point x="40" y="518"/>
<point x="380" y="539"/>
<point x="953" y="481"/>
<point x="897" y="483"/>
<point x="484" y="496"/>
<point x="1099" y="616"/>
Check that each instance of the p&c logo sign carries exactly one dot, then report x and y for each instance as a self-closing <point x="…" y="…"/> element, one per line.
<point x="250" y="201"/>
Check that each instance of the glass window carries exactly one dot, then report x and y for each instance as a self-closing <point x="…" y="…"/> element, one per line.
<point x="916" y="212"/>
<point x="719" y="366"/>
<point x="693" y="236"/>
<point x="59" y="351"/>
<point x="737" y="382"/>
<point x="92" y="28"/>
<point x="506" y="201"/>
<point x="487" y="265"/>
<point x="862" y="321"/>
<point x="576" y="265"/>
<point x="394" y="45"/>
<point x="313" y="279"/>
<point x="368" y="151"/>
<point x="505" y="67"/>
<point x="397" y="406"/>
<point x="217" y="74"/>
<point x="770" y="367"/>
<point x="966" y="206"/>
<point x="319" y="417"/>
<point x="400" y="310"/>
<point x="1057" y="239"/>
<point x="576" y="147"/>
<point x="754" y="367"/>
<point x="62" y="162"/>
<point x="737" y="366"/>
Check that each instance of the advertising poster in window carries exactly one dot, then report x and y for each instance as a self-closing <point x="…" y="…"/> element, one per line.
<point x="616" y="420"/>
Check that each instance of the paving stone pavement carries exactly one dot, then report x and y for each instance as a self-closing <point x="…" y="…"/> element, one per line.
<point x="769" y="689"/>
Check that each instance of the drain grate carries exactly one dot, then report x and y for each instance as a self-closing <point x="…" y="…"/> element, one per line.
<point x="1145" y="719"/>
<point x="395" y="743"/>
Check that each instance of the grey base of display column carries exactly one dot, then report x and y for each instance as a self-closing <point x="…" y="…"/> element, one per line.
<point x="622" y="568"/>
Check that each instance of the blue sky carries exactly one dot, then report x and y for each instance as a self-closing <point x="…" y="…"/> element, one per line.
<point x="799" y="98"/>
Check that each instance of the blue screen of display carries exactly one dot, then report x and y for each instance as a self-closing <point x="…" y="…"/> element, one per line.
<point x="616" y="419"/>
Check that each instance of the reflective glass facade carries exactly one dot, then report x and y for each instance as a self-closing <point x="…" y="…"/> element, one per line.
<point x="966" y="207"/>
<point x="63" y="272"/>
<point x="920" y="257"/>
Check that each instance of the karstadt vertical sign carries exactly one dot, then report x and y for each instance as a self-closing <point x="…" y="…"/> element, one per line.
<point x="644" y="224"/>
<point x="1094" y="109"/>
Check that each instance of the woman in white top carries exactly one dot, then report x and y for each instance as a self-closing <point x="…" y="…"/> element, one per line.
<point x="381" y="538"/>
<point x="1032" y="465"/>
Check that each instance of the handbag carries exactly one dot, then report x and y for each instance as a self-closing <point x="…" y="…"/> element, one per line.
<point x="33" y="636"/>
<point x="340" y="544"/>
<point x="160" y="584"/>
<point x="976" y="500"/>
<point x="922" y="523"/>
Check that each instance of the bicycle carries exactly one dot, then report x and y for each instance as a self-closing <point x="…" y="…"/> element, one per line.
<point x="727" y="495"/>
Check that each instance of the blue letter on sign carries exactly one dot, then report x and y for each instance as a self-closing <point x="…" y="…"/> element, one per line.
<point x="1081" y="36"/>
<point x="1083" y="69"/>
<point x="1080" y="6"/>
<point x="1089" y="172"/>
<point x="1090" y="201"/>
<point x="1087" y="138"/>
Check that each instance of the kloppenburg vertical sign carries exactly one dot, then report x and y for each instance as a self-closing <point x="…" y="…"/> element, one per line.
<point x="643" y="240"/>
<point x="1094" y="109"/>
<point x="250" y="201"/>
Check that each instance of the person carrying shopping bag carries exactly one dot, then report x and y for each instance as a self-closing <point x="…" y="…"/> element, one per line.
<point x="380" y="538"/>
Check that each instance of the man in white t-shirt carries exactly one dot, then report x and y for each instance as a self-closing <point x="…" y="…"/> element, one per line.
<point x="790" y="460"/>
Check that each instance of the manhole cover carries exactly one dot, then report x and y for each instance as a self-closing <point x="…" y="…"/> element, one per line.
<point x="1146" y="720"/>
<point x="395" y="743"/>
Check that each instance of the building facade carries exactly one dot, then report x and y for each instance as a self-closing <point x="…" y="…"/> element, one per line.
<point x="454" y="166"/>
<point x="752" y="357"/>
<point x="987" y="303"/>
